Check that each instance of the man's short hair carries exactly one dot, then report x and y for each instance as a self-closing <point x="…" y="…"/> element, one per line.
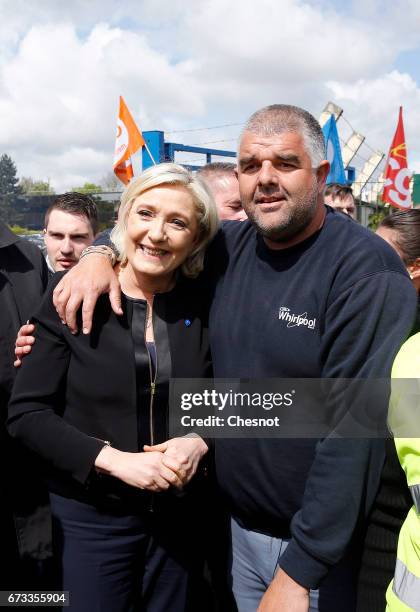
<point x="216" y="169"/>
<point x="337" y="190"/>
<point x="76" y="203"/>
<point x="280" y="118"/>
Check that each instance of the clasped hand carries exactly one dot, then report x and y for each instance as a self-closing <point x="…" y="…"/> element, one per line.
<point x="145" y="471"/>
<point x="172" y="463"/>
<point x="181" y="455"/>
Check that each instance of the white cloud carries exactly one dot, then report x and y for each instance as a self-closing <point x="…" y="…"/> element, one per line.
<point x="287" y="41"/>
<point x="182" y="64"/>
<point x="70" y="168"/>
<point x="374" y="105"/>
<point x="61" y="91"/>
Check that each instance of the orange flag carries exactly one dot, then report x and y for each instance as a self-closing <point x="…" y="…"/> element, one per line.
<point x="397" y="176"/>
<point x="129" y="140"/>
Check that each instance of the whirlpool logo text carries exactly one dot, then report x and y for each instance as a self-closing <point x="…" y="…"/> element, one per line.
<point x="296" y="320"/>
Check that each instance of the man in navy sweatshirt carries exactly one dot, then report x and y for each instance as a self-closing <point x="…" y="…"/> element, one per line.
<point x="298" y="505"/>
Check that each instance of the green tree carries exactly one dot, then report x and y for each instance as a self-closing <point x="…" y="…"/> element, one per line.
<point x="9" y="188"/>
<point x="31" y="187"/>
<point x="8" y="176"/>
<point x="376" y="217"/>
<point x="105" y="209"/>
<point x="88" y="188"/>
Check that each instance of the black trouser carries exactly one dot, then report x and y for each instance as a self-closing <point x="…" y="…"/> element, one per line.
<point x="115" y="562"/>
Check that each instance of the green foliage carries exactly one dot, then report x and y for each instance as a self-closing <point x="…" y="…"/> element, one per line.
<point x="31" y="187"/>
<point x="22" y="231"/>
<point x="9" y="188"/>
<point x="377" y="217"/>
<point x="105" y="214"/>
<point x="88" y="188"/>
<point x="8" y="177"/>
<point x="103" y="225"/>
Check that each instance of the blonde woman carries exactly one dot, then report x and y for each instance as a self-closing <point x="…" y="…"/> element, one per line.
<point x="88" y="405"/>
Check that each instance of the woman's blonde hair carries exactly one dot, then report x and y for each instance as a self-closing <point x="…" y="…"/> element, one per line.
<point x="171" y="174"/>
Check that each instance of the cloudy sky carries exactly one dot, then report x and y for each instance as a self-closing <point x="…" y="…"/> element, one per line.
<point x="188" y="67"/>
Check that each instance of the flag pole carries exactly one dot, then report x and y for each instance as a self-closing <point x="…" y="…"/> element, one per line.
<point x="150" y="155"/>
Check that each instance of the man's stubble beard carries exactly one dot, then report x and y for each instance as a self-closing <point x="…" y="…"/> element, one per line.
<point x="298" y="218"/>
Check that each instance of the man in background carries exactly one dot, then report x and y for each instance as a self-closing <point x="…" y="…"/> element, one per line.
<point x="340" y="197"/>
<point x="221" y="179"/>
<point x="71" y="224"/>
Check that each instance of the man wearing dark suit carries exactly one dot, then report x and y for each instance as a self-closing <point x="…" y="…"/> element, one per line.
<point x="23" y="278"/>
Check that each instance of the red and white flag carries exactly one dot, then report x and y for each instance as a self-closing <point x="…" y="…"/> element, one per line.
<point x="397" y="176"/>
<point x="129" y="140"/>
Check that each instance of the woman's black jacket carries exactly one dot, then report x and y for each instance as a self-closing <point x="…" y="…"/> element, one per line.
<point x="73" y="392"/>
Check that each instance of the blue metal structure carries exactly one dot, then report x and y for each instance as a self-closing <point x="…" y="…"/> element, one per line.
<point x="165" y="151"/>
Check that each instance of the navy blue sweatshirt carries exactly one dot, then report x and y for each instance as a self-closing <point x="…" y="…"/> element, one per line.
<point x="356" y="289"/>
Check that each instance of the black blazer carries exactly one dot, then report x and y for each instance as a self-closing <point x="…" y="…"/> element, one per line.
<point x="75" y="391"/>
<point x="23" y="279"/>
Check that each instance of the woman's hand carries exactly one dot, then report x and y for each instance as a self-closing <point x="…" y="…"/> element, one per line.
<point x="141" y="470"/>
<point x="23" y="343"/>
<point x="181" y="455"/>
<point x="91" y="277"/>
